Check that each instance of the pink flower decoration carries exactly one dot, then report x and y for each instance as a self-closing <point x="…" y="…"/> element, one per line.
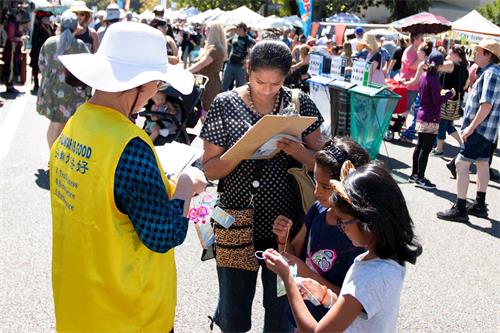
<point x="203" y="211"/>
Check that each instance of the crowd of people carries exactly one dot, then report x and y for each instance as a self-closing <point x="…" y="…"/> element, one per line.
<point x="341" y="265"/>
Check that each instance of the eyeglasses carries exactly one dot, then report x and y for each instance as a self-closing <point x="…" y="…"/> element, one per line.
<point x="80" y="14"/>
<point x="342" y="225"/>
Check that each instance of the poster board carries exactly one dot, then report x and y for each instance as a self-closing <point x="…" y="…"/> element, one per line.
<point x="360" y="72"/>
<point x="315" y="64"/>
<point x="338" y="68"/>
<point x="260" y="133"/>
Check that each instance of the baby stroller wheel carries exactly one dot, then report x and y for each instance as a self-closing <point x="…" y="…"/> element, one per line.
<point x="389" y="135"/>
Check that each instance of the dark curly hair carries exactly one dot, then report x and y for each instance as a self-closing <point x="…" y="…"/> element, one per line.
<point x="271" y="54"/>
<point x="377" y="201"/>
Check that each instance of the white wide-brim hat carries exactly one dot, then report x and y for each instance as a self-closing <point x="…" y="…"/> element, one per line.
<point x="131" y="54"/>
<point x="80" y="6"/>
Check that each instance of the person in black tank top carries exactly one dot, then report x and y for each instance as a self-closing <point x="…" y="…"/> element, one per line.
<point x="162" y="25"/>
<point x="85" y="33"/>
<point x="455" y="79"/>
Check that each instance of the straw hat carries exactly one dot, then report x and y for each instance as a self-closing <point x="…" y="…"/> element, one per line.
<point x="130" y="54"/>
<point x="491" y="46"/>
<point x="80" y="6"/>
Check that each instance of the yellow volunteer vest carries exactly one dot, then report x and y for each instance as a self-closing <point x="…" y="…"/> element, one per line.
<point x="103" y="278"/>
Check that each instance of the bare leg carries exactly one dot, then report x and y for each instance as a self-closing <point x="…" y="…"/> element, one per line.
<point x="462" y="178"/>
<point x="483" y="175"/>
<point x="54" y="131"/>
<point x="457" y="137"/>
<point x="439" y="146"/>
<point x="155" y="131"/>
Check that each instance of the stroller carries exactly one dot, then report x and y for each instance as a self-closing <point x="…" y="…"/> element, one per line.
<point x="190" y="110"/>
<point x="398" y="118"/>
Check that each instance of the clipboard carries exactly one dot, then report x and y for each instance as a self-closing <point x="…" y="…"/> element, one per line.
<point x="267" y="127"/>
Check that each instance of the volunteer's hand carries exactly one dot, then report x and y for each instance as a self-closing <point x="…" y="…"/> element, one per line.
<point x="193" y="180"/>
<point x="281" y="226"/>
<point x="290" y="147"/>
<point x="276" y="263"/>
<point x="466" y="133"/>
<point x="314" y="287"/>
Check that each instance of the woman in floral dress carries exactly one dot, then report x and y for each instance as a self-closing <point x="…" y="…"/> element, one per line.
<point x="57" y="100"/>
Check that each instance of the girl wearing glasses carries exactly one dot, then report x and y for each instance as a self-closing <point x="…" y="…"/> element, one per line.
<point x="372" y="211"/>
<point x="321" y="250"/>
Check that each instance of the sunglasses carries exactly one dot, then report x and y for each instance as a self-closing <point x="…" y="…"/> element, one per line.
<point x="342" y="225"/>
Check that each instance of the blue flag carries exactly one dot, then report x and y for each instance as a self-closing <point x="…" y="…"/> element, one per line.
<point x="305" y="10"/>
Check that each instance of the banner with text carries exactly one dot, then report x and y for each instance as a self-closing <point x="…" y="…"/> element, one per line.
<point x="305" y="10"/>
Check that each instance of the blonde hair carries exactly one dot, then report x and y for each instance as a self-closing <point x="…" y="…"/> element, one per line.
<point x="216" y="38"/>
<point x="371" y="43"/>
<point x="304" y="51"/>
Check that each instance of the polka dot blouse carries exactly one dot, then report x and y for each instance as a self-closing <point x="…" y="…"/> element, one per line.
<point x="228" y="119"/>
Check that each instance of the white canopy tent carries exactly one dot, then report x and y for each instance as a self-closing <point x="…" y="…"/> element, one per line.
<point x="206" y="16"/>
<point x="272" y="22"/>
<point x="41" y="3"/>
<point x="295" y="21"/>
<point x="241" y="14"/>
<point x="477" y="24"/>
<point x="148" y="15"/>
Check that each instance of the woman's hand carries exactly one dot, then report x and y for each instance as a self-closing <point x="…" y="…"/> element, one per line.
<point x="173" y="60"/>
<point x="290" y="147"/>
<point x="308" y="287"/>
<point x="276" y="263"/>
<point x="281" y="227"/>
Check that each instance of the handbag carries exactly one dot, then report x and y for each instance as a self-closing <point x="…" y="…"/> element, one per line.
<point x="234" y="246"/>
<point x="304" y="187"/>
<point x="451" y="110"/>
<point x="302" y="182"/>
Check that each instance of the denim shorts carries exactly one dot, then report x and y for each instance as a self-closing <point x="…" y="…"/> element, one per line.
<point x="476" y="148"/>
<point x="445" y="126"/>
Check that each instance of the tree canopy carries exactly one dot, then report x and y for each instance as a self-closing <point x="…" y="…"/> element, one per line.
<point x="491" y="11"/>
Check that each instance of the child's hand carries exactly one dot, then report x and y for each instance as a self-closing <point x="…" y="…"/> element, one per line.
<point x="308" y="287"/>
<point x="276" y="263"/>
<point x="281" y="227"/>
<point x="155" y="118"/>
<point x="302" y="269"/>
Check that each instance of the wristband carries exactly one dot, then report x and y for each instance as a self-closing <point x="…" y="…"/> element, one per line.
<point x="330" y="304"/>
<point x="324" y="296"/>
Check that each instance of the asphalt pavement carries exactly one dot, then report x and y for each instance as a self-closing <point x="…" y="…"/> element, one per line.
<point x="454" y="287"/>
